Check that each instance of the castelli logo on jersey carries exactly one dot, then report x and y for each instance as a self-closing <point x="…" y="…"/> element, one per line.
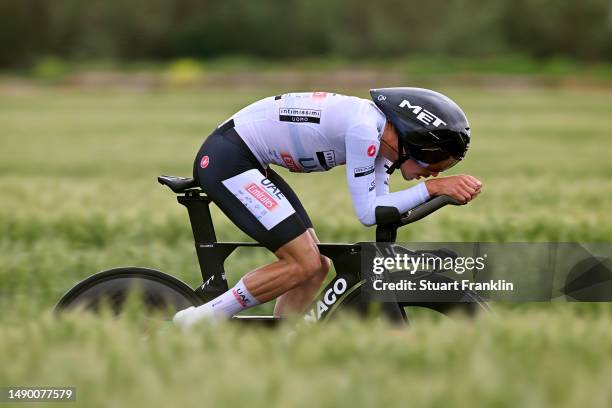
<point x="371" y="151"/>
<point x="423" y="115"/>
<point x="262" y="196"/>
<point x="204" y="162"/>
<point x="319" y="94"/>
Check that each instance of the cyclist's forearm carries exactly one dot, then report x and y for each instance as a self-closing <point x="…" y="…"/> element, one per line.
<point x="403" y="200"/>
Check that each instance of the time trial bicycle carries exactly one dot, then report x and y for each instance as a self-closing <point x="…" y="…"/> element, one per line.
<point x="161" y="293"/>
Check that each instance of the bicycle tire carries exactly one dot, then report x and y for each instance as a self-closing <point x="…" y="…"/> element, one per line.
<point x="467" y="303"/>
<point x="159" y="291"/>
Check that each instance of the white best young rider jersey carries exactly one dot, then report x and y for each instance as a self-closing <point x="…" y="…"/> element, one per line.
<point x="316" y="131"/>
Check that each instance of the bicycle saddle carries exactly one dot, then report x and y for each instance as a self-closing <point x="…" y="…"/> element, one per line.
<point x="177" y="184"/>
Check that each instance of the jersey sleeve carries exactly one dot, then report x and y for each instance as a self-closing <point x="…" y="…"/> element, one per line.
<point x="381" y="175"/>
<point x="364" y="171"/>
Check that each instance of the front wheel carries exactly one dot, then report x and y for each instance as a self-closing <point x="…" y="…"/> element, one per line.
<point x="448" y="303"/>
<point x="158" y="292"/>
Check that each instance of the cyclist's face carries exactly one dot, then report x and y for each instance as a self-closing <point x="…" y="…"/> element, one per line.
<point x="414" y="169"/>
<point x="411" y="169"/>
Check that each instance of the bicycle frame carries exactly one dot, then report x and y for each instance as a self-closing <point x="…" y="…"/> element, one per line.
<point x="343" y="290"/>
<point x="212" y="255"/>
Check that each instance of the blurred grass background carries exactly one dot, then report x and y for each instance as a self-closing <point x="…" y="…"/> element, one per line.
<point x="79" y="195"/>
<point x="79" y="168"/>
<point x="97" y="99"/>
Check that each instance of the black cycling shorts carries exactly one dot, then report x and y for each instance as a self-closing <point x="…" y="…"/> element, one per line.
<point x="256" y="199"/>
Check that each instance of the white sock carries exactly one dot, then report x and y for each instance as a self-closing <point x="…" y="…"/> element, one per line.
<point x="233" y="301"/>
<point x="225" y="306"/>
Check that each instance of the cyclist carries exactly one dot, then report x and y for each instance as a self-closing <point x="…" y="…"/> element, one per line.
<point x="419" y="131"/>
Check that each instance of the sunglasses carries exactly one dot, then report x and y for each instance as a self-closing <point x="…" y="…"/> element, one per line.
<point x="435" y="168"/>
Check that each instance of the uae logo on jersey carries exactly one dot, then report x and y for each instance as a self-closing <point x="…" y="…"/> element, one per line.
<point x="299" y="115"/>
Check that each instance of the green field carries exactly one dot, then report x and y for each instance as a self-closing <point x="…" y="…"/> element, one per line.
<point x="78" y="194"/>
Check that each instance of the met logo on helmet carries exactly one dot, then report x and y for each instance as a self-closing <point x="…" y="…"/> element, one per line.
<point x="423" y="115"/>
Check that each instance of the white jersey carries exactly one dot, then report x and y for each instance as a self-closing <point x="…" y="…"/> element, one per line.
<point x="316" y="131"/>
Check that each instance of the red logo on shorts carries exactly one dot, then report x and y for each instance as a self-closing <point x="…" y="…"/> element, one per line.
<point x="204" y="162"/>
<point x="371" y="150"/>
<point x="319" y="94"/>
<point x="262" y="196"/>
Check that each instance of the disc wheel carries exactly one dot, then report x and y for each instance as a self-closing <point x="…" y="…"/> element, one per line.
<point x="158" y="293"/>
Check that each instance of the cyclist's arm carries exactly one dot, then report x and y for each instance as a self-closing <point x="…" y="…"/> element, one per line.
<point x="381" y="175"/>
<point x="362" y="177"/>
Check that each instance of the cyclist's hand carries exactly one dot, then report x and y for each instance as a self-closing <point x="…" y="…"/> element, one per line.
<point x="463" y="187"/>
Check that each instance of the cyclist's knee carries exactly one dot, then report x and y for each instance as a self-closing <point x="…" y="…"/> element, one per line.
<point x="304" y="265"/>
<point x="308" y="267"/>
<point x="324" y="269"/>
<point x="304" y="260"/>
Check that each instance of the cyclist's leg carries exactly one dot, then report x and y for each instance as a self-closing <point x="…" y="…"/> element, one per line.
<point x="239" y="187"/>
<point x="298" y="262"/>
<point x="291" y="196"/>
<point x="297" y="299"/>
<point x="236" y="184"/>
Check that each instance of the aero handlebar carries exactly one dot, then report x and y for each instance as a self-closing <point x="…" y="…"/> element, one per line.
<point x="389" y="219"/>
<point x="428" y="207"/>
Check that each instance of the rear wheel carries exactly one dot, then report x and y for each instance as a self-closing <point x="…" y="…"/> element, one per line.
<point x="159" y="293"/>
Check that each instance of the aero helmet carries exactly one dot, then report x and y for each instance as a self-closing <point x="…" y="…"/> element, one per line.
<point x="430" y="126"/>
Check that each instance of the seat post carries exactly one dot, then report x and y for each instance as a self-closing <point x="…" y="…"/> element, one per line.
<point x="210" y="257"/>
<point x="199" y="216"/>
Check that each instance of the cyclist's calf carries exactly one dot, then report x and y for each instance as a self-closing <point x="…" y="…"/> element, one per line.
<point x="296" y="275"/>
<point x="305" y="270"/>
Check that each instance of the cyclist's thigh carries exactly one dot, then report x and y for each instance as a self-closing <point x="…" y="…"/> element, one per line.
<point x="235" y="183"/>
<point x="291" y="196"/>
